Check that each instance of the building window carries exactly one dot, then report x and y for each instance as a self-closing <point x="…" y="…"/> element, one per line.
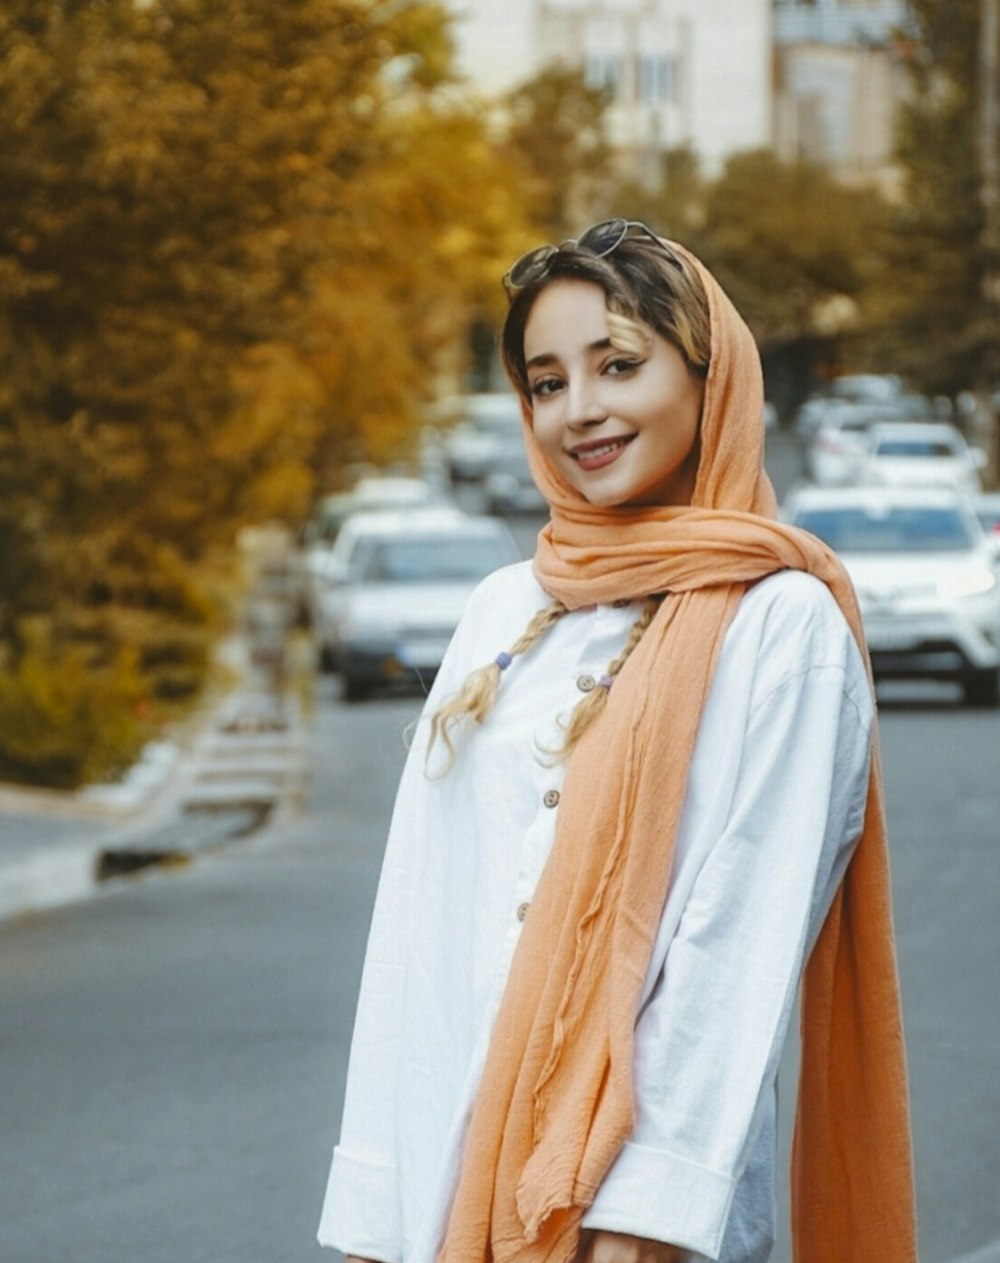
<point x="657" y="79"/>
<point x="604" y="72"/>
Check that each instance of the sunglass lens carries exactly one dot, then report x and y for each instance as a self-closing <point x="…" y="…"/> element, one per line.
<point x="530" y="266"/>
<point x="604" y="237"/>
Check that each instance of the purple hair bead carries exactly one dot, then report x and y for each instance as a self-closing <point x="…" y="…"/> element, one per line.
<point x="503" y="660"/>
<point x="606" y="681"/>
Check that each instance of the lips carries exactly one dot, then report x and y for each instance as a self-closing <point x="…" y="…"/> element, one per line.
<point x="600" y="452"/>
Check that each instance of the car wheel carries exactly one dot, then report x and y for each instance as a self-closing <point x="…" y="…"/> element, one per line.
<point x="355" y="690"/>
<point x="982" y="688"/>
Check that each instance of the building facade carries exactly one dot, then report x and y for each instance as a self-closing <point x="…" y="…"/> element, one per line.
<point x="820" y="80"/>
<point x="679" y="72"/>
<point x="840" y="79"/>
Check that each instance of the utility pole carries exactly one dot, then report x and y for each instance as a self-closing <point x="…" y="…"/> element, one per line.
<point x="989" y="121"/>
<point x="989" y="176"/>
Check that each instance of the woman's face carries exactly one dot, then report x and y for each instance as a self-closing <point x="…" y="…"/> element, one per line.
<point x="621" y="427"/>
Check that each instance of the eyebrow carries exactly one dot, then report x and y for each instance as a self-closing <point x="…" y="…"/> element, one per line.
<point x="548" y="357"/>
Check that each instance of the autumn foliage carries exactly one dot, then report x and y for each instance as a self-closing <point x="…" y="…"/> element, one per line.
<point x="239" y="244"/>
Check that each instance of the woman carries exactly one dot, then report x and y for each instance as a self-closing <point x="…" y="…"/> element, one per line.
<point x="597" y="903"/>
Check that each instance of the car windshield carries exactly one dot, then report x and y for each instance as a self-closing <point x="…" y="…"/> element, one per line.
<point x="429" y="559"/>
<point x="915" y="447"/>
<point x="917" y="529"/>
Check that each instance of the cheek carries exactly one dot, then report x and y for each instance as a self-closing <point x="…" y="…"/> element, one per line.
<point x="545" y="431"/>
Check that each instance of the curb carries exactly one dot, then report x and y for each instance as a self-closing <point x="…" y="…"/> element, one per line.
<point x="218" y="790"/>
<point x="57" y="875"/>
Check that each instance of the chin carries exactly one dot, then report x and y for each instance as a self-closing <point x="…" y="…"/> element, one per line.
<point x="601" y="499"/>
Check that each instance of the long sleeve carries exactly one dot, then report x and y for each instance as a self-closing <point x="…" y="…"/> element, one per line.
<point x="735" y="938"/>
<point x="362" y="1213"/>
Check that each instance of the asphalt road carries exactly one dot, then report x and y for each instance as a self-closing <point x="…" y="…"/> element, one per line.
<point x="172" y="1053"/>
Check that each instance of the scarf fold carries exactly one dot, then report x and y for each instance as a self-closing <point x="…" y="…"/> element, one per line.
<point x="555" y="1103"/>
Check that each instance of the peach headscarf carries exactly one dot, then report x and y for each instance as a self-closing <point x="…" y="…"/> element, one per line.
<point x="555" y="1103"/>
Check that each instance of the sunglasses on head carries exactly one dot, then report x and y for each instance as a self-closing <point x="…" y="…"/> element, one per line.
<point x="598" y="240"/>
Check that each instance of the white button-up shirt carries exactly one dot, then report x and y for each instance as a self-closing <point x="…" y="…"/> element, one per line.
<point x="774" y="804"/>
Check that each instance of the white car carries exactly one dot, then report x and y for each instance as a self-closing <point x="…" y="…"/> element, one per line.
<point x="921" y="454"/>
<point x="987" y="509"/>
<point x="926" y="578"/>
<point x="836" y="453"/>
<point x="862" y="390"/>
<point x="509" y="486"/>
<point x="837" y="449"/>
<point x="395" y="587"/>
<point x="328" y="517"/>
<point x="486" y="421"/>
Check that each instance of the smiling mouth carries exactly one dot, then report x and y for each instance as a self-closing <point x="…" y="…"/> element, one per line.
<point x="597" y="455"/>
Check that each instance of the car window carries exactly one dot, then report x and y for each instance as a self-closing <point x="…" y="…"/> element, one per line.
<point x="429" y="559"/>
<point x="855" y="529"/>
<point x="915" y="447"/>
<point x="330" y="523"/>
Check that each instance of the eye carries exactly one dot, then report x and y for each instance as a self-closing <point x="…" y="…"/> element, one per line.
<point x="544" y="386"/>
<point x="621" y="365"/>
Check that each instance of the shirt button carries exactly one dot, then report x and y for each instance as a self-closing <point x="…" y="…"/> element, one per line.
<point x="586" y="683"/>
<point x="551" y="798"/>
<point x="522" y="911"/>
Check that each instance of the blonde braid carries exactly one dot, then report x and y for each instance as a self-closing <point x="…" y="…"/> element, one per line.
<point x="592" y="705"/>
<point x="476" y="697"/>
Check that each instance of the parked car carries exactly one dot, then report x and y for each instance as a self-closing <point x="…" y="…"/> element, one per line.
<point x="902" y="454"/>
<point x="328" y="517"/>
<point x="395" y="585"/>
<point x="987" y="508"/>
<point x="885" y="393"/>
<point x="487" y="421"/>
<point x="509" y="486"/>
<point x="837" y="449"/>
<point x="836" y="453"/>
<point x="925" y="578"/>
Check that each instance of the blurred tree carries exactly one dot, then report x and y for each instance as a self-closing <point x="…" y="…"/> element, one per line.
<point x="938" y="325"/>
<point x="798" y="252"/>
<point x="238" y="243"/>
<point x="794" y="249"/>
<point x="556" y="133"/>
<point x="673" y="204"/>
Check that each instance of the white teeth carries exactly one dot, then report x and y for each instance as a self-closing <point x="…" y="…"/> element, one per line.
<point x="595" y="452"/>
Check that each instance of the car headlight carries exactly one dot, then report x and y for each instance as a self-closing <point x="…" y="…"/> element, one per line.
<point x="972" y="583"/>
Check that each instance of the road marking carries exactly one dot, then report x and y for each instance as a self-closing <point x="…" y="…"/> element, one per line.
<point x="987" y="1254"/>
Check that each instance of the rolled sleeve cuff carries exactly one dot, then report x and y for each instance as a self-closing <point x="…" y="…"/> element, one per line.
<point x="654" y="1194"/>
<point x="361" y="1210"/>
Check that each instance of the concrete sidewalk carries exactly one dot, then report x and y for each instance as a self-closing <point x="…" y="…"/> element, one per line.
<point x="48" y="850"/>
<point x="248" y="760"/>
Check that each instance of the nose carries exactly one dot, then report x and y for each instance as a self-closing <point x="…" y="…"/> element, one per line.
<point x="583" y="404"/>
